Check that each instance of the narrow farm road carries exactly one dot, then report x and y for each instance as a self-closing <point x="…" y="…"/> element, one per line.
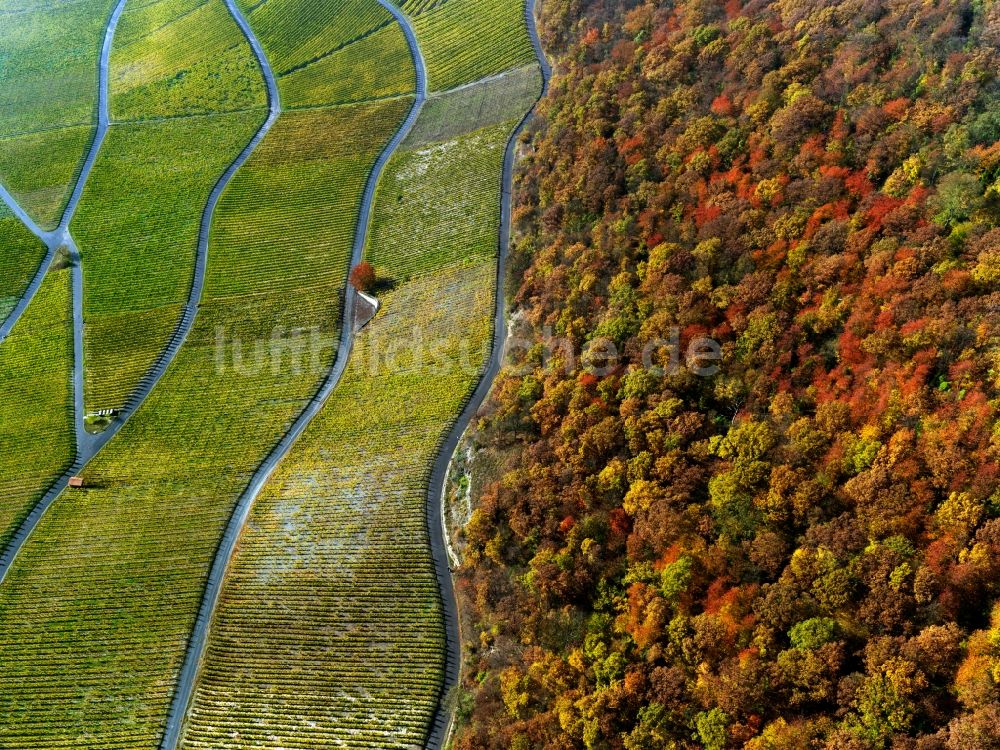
<point x="60" y="236"/>
<point x="89" y="445"/>
<point x="441" y="726"/>
<point x="199" y="636"/>
<point x="51" y="241"/>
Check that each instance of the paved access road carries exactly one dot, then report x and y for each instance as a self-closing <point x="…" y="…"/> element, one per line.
<point x="199" y="636"/>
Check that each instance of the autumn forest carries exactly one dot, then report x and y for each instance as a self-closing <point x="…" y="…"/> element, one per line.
<point x="802" y="550"/>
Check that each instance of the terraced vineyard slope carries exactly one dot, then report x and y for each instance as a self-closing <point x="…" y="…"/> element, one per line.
<point x="48" y="98"/>
<point x="330" y="627"/>
<point x="126" y="559"/>
<point x="193" y="97"/>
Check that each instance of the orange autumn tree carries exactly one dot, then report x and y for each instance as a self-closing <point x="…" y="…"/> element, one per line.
<point x="363" y="276"/>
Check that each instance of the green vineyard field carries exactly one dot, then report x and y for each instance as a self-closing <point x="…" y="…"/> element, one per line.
<point x="444" y="30"/>
<point x="347" y="75"/>
<point x="329" y="631"/>
<point x="40" y="168"/>
<point x="160" y="493"/>
<point x="177" y="58"/>
<point x="139" y="247"/>
<point x="20" y="254"/>
<point x="48" y="98"/>
<point x="35" y="363"/>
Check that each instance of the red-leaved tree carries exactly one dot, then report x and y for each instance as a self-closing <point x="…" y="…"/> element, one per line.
<point x="363" y="276"/>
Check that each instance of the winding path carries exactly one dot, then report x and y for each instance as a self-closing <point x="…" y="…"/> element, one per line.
<point x="198" y="639"/>
<point x="88" y="445"/>
<point x="441" y="724"/>
<point x="60" y="236"/>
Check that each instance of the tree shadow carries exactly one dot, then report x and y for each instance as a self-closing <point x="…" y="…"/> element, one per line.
<point x="383" y="284"/>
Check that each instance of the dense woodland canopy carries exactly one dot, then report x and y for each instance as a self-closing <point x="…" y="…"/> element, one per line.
<point x="802" y="551"/>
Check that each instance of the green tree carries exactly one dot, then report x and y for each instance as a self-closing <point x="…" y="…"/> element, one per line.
<point x="711" y="727"/>
<point x="959" y="196"/>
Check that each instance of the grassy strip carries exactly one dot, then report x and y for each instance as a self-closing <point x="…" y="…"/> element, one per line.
<point x="95" y="613"/>
<point x="36" y="411"/>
